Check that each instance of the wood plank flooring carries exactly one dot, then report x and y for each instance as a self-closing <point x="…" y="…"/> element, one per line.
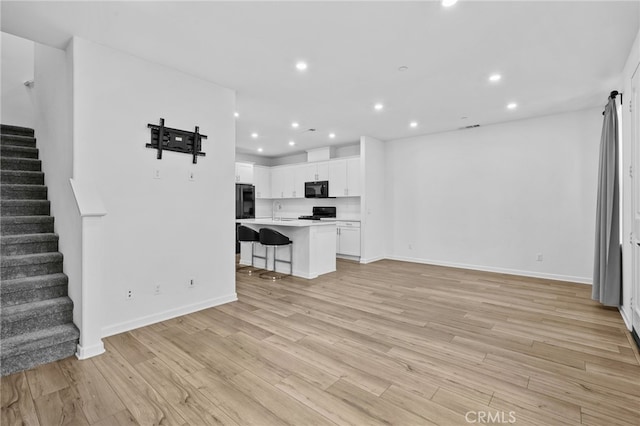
<point x="386" y="343"/>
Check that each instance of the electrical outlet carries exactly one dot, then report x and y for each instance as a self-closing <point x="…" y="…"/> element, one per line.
<point x="539" y="258"/>
<point x="192" y="283"/>
<point x="156" y="289"/>
<point x="156" y="173"/>
<point x="129" y="295"/>
<point x="192" y="176"/>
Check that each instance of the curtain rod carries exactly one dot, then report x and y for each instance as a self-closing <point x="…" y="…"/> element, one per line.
<point x="613" y="95"/>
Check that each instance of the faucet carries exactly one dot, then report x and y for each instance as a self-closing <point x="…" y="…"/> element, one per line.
<point x="273" y="209"/>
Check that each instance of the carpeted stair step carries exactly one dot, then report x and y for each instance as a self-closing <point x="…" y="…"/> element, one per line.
<point x="22" y="192"/>
<point x="30" y="265"/>
<point x="20" y="177"/>
<point x="39" y="347"/>
<point x="26" y="164"/>
<point x="34" y="316"/>
<point x="17" y="225"/>
<point x="7" y="129"/>
<point x="24" y="207"/>
<point x="33" y="289"/>
<point x="13" y="245"/>
<point x="10" y="151"/>
<point x="15" y="140"/>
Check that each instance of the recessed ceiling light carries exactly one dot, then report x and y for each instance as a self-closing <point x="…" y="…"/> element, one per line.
<point x="413" y="124"/>
<point x="403" y="68"/>
<point x="236" y="115"/>
<point x="254" y="135"/>
<point x="332" y="135"/>
<point x="464" y="117"/>
<point x="292" y="143"/>
<point x="495" y="77"/>
<point x="294" y="125"/>
<point x="449" y="3"/>
<point x="259" y="149"/>
<point x="512" y="105"/>
<point x="301" y="66"/>
<point x="378" y="107"/>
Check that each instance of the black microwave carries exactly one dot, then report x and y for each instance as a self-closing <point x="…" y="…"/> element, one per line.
<point x="318" y="189"/>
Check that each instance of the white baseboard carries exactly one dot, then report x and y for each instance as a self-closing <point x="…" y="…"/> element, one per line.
<point x="84" y="352"/>
<point x="625" y="318"/>
<point x="371" y="259"/>
<point x="347" y="257"/>
<point x="165" y="315"/>
<point x="532" y="274"/>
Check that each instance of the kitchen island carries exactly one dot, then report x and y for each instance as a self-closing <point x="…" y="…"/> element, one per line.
<point x="314" y="246"/>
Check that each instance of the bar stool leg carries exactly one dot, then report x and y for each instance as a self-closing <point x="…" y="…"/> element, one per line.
<point x="275" y="252"/>
<point x="249" y="269"/>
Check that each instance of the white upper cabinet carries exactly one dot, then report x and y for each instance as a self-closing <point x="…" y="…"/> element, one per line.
<point x="244" y="173"/>
<point x="344" y="177"/>
<point x="338" y="178"/>
<point x="286" y="182"/>
<point x="353" y="177"/>
<point x="278" y="177"/>
<point x="262" y="181"/>
<point x="313" y="172"/>
<point x="298" y="181"/>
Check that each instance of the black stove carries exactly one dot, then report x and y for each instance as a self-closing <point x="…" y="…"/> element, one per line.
<point x="320" y="213"/>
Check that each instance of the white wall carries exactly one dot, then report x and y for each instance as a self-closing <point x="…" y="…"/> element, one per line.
<point x="628" y="71"/>
<point x="374" y="226"/>
<point x="163" y="231"/>
<point x="16" y="67"/>
<point x="53" y="133"/>
<point x="493" y="197"/>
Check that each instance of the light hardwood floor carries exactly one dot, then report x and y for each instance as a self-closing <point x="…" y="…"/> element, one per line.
<point x="385" y="343"/>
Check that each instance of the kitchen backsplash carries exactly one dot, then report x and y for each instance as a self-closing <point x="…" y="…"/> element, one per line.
<point x="347" y="207"/>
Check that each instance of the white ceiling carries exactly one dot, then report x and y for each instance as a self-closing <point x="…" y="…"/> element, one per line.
<point x="553" y="56"/>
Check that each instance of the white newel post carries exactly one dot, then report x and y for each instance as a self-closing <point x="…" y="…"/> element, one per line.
<point x="91" y="211"/>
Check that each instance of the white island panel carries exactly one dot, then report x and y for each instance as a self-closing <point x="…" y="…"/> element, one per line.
<point x="314" y="246"/>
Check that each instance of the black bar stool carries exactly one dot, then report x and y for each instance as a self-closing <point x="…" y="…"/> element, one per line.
<point x="248" y="235"/>
<point x="271" y="238"/>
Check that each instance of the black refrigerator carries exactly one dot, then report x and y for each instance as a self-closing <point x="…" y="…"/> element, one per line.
<point x="245" y="206"/>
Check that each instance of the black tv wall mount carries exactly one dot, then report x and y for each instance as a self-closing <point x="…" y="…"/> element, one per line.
<point x="176" y="140"/>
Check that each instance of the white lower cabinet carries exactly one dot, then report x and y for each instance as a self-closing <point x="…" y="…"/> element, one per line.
<point x="348" y="238"/>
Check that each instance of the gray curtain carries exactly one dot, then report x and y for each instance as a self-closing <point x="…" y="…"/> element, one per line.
<point x="607" y="270"/>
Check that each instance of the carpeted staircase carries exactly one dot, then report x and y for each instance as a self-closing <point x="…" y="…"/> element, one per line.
<point x="35" y="312"/>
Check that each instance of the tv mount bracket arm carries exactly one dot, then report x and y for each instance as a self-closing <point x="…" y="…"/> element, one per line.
<point x="176" y="140"/>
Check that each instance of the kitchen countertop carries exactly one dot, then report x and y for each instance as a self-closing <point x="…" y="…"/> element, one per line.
<point x="286" y="222"/>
